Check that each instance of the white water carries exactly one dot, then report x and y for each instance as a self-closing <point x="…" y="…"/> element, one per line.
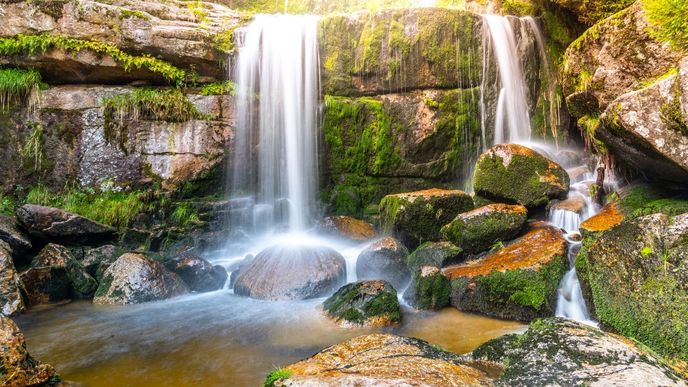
<point x="275" y="152"/>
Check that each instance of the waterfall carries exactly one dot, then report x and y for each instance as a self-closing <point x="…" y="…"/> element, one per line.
<point x="275" y="145"/>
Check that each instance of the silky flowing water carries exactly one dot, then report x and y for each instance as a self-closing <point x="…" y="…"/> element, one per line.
<point x="214" y="339"/>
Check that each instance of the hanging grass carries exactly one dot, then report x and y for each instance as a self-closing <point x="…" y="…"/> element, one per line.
<point x="19" y="87"/>
<point x="32" y="151"/>
<point x="669" y="21"/>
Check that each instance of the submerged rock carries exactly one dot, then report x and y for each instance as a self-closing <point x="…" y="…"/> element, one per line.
<point x="518" y="281"/>
<point x="384" y="259"/>
<point x="55" y="225"/>
<point x="134" y="278"/>
<point x="416" y="217"/>
<point x="562" y="352"/>
<point x="17" y="365"/>
<point x="429" y="289"/>
<point x="436" y="254"/>
<point x="11" y="302"/>
<point x="515" y="174"/>
<point x="347" y="228"/>
<point x="382" y="360"/>
<point x="199" y="274"/>
<point x="291" y="272"/>
<point x="368" y="303"/>
<point x="478" y="230"/>
<point x="17" y="239"/>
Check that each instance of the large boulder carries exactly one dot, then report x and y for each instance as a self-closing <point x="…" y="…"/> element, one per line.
<point x="416" y="217"/>
<point x="380" y="360"/>
<point x="17" y="365"/>
<point x="292" y="272"/>
<point x="559" y="352"/>
<point x="429" y="289"/>
<point x="98" y="259"/>
<point x="199" y="274"/>
<point x="57" y="258"/>
<point x="512" y="173"/>
<point x="55" y="225"/>
<point x="384" y="259"/>
<point x="134" y="278"/>
<point x="436" y="254"/>
<point x="45" y="285"/>
<point x="367" y="303"/>
<point x="478" y="230"/>
<point x="636" y="275"/>
<point x="16" y="238"/>
<point x="11" y="302"/>
<point x="518" y="281"/>
<point x="347" y="228"/>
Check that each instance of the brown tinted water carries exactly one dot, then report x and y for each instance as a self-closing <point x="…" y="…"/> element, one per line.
<point x="213" y="339"/>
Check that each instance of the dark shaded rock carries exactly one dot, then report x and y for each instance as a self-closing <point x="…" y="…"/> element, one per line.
<point x="55" y="225"/>
<point x="383" y="360"/>
<point x="199" y="274"/>
<point x="562" y="352"/>
<point x="11" y="302"/>
<point x="291" y="272"/>
<point x="82" y="284"/>
<point x="368" y="303"/>
<point x="45" y="285"/>
<point x="478" y="230"/>
<point x="512" y="173"/>
<point x="429" y="289"/>
<point x="98" y="259"/>
<point x="347" y="228"/>
<point x="384" y="259"/>
<point x="436" y="254"/>
<point x="236" y="269"/>
<point x="518" y="281"/>
<point x="17" y="365"/>
<point x="416" y="217"/>
<point x="134" y="278"/>
<point x="17" y="239"/>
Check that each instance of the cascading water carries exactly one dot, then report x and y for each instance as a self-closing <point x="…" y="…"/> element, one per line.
<point x="275" y="149"/>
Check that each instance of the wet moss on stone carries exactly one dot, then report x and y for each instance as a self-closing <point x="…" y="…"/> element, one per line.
<point x="364" y="302"/>
<point x="435" y="254"/>
<point x="429" y="289"/>
<point x="276" y="376"/>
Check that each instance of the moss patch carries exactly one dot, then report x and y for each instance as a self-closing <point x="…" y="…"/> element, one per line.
<point x="365" y="302"/>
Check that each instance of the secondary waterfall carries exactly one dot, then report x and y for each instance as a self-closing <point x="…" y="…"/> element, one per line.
<point x="275" y="147"/>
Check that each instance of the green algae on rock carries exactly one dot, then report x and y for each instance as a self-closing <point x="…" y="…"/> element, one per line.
<point x="367" y="303"/>
<point x="429" y="289"/>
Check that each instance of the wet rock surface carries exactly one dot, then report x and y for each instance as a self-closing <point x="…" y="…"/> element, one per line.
<point x="368" y="303"/>
<point x="55" y="225"/>
<point x="429" y="289"/>
<point x="11" y="302"/>
<point x="199" y="274"/>
<point x="436" y="254"/>
<point x="384" y="259"/>
<point x="348" y="228"/>
<point x="82" y="284"/>
<point x="292" y="272"/>
<point x="18" y="367"/>
<point x="16" y="238"/>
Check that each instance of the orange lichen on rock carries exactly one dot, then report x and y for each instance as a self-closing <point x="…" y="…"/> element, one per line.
<point x="537" y="247"/>
<point x="609" y="217"/>
<point x="348" y="227"/>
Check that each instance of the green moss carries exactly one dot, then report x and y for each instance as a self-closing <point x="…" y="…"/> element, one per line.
<point x="104" y="286"/>
<point x="643" y="200"/>
<point x="477" y="233"/>
<point x="588" y="124"/>
<point x="127" y="13"/>
<point x="669" y="21"/>
<point x="429" y="292"/>
<point x="352" y="305"/>
<point x="518" y="7"/>
<point x="672" y="111"/>
<point x="219" y="88"/>
<point x="8" y="204"/>
<point x="275" y="376"/>
<point x="19" y="87"/>
<point x="224" y="41"/>
<point x="184" y="216"/>
<point x="40" y="44"/>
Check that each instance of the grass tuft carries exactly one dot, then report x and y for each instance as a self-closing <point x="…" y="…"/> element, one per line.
<point x="19" y="87"/>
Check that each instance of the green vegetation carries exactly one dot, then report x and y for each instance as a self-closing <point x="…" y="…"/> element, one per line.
<point x="19" y="87"/>
<point x="476" y="233"/>
<point x="672" y="112"/>
<point x="125" y="13"/>
<point x="354" y="305"/>
<point x="219" y="88"/>
<point x="588" y="124"/>
<point x="32" y="151"/>
<point x="39" y="44"/>
<point x="643" y="200"/>
<point x="7" y="204"/>
<point x="669" y="21"/>
<point x="428" y="292"/>
<point x="116" y="209"/>
<point x="184" y="216"/>
<point x="275" y="376"/>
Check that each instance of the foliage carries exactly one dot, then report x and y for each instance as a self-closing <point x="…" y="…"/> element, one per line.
<point x="672" y="112"/>
<point x="275" y="376"/>
<point x="40" y="44"/>
<point x="643" y="200"/>
<point x="19" y="87"/>
<point x="219" y="88"/>
<point x="33" y="147"/>
<point x="184" y="216"/>
<point x="669" y="21"/>
<point x="7" y="204"/>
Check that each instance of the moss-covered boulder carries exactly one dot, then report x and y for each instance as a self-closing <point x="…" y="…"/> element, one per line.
<point x="135" y="278"/>
<point x="636" y="274"/>
<point x="518" y="281"/>
<point x="367" y="303"/>
<point x="348" y="228"/>
<point x="386" y="260"/>
<point x="381" y="360"/>
<point x="416" y="217"/>
<point x="562" y="352"/>
<point x="512" y="173"/>
<point x="18" y="367"/>
<point x="429" y="289"/>
<point x="82" y="284"/>
<point x="436" y="254"/>
<point x="478" y="230"/>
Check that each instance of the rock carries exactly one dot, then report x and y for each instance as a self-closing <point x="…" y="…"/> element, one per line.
<point x="366" y="303"/>
<point x="57" y="257"/>
<point x="518" y="281"/>
<point x="515" y="174"/>
<point x="636" y="275"/>
<point x="45" y="285"/>
<point x="608" y="217"/>
<point x="429" y="289"/>
<point x="199" y="274"/>
<point x="134" y="278"/>
<point x="436" y="254"/>
<point x="55" y="225"/>
<point x="236" y="269"/>
<point x="18" y="367"/>
<point x="383" y="360"/>
<point x="17" y="239"/>
<point x="647" y="129"/>
<point x="347" y="228"/>
<point x="478" y="230"/>
<point x="11" y="300"/>
<point x="98" y="259"/>
<point x="591" y="11"/>
<point x="384" y="259"/>
<point x="291" y="272"/>
<point x="416" y="217"/>
<point x="575" y="204"/>
<point x="560" y="352"/>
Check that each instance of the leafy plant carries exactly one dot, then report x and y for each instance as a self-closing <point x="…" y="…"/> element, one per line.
<point x="184" y="216"/>
<point x="669" y="21"/>
<point x="275" y="376"/>
<point x="219" y="88"/>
